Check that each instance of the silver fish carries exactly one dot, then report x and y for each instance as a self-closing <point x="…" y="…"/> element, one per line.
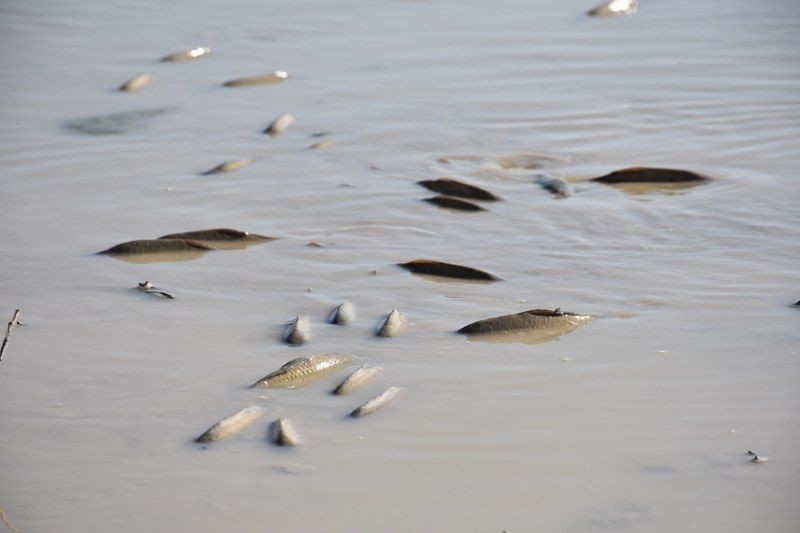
<point x="232" y="424"/>
<point x="267" y="79"/>
<point x="359" y="377"/>
<point x="376" y="403"/>
<point x="280" y="124"/>
<point x="283" y="434"/>
<point x="303" y="370"/>
<point x="134" y="84"/>
<point x="390" y="325"/>
<point x="615" y="8"/>
<point x="187" y="55"/>
<point x="298" y="331"/>
<point x="227" y="166"/>
<point x="344" y="313"/>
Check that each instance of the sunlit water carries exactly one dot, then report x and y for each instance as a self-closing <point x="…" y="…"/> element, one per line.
<point x="638" y="421"/>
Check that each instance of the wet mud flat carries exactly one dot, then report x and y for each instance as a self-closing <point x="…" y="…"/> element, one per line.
<point x="639" y="420"/>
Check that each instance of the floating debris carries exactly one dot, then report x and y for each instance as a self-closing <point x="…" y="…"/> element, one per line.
<point x="447" y="270"/>
<point x="650" y="175"/>
<point x="187" y="55"/>
<point x="227" y="166"/>
<point x="298" y="331"/>
<point x="280" y="124"/>
<point x="557" y="186"/>
<point x="453" y="203"/>
<point x="267" y="79"/>
<point x="358" y="378"/>
<point x="156" y="246"/>
<point x="376" y="403"/>
<point x="452" y="187"/>
<point x="134" y="84"/>
<point x="615" y="8"/>
<point x="148" y="288"/>
<point x="114" y="123"/>
<point x="343" y="314"/>
<point x="754" y="458"/>
<point x="390" y="325"/>
<point x="232" y="424"/>
<point x="13" y="323"/>
<point x="283" y="434"/>
<point x="303" y="370"/>
<point x="538" y="319"/>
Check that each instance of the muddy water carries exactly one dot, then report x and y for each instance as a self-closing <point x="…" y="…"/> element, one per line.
<point x="638" y="421"/>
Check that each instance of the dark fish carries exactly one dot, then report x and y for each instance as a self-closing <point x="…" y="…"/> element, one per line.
<point x="534" y="319"/>
<point x="156" y="246"/>
<point x="456" y="188"/>
<point x="267" y="79"/>
<point x="447" y="270"/>
<point x="219" y="234"/>
<point x="650" y="175"/>
<point x="453" y="203"/>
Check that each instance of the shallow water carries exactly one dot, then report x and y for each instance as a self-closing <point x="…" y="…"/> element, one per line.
<point x="638" y="421"/>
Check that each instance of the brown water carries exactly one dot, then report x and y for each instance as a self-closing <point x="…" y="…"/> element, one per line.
<point x="638" y="421"/>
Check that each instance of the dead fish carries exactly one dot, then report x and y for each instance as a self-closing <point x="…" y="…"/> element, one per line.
<point x="267" y="79"/>
<point x="447" y="270"/>
<point x="148" y="288"/>
<point x="280" y="124"/>
<point x="650" y="175"/>
<point x="232" y="424"/>
<point x="322" y="144"/>
<point x="376" y="403"/>
<point x="453" y="203"/>
<point x="227" y="166"/>
<point x="298" y="331"/>
<point x="155" y="246"/>
<point x="390" y="325"/>
<point x="539" y="319"/>
<point x="343" y="314"/>
<point x="615" y="8"/>
<point x="557" y="186"/>
<point x="283" y="434"/>
<point x="303" y="370"/>
<point x="359" y="377"/>
<point x="134" y="84"/>
<point x="219" y="235"/>
<point x="452" y="187"/>
<point x="757" y="458"/>
<point x="187" y="55"/>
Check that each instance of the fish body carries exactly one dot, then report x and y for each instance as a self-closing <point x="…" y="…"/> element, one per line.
<point x="267" y="79"/>
<point x="227" y="166"/>
<point x="187" y="55"/>
<point x="283" y="434"/>
<point x="134" y="84"/>
<point x="615" y="8"/>
<point x="218" y="235"/>
<point x="448" y="270"/>
<point x="232" y="424"/>
<point x="453" y="187"/>
<point x="390" y="325"/>
<point x="303" y="370"/>
<point x="154" y="246"/>
<point x="375" y="403"/>
<point x="453" y="203"/>
<point x="557" y="186"/>
<point x="356" y="379"/>
<point x="280" y="124"/>
<point x="650" y="175"/>
<point x="534" y="319"/>
<point x="343" y="314"/>
<point x="322" y="144"/>
<point x="298" y="331"/>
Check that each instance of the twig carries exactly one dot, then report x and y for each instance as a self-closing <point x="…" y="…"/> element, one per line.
<point x="14" y="322"/>
<point x="7" y="522"/>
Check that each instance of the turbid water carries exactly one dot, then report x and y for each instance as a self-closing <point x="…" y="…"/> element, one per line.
<point x="638" y="421"/>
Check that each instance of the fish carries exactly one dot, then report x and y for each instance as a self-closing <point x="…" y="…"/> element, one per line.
<point x="147" y="288"/>
<point x="303" y="370"/>
<point x="376" y="403"/>
<point x="322" y="144"/>
<point x="615" y="8"/>
<point x="298" y="331"/>
<point x="154" y="246"/>
<point x="283" y="434"/>
<point x="232" y="424"/>
<point x="557" y="186"/>
<point x="447" y="270"/>
<point x="134" y="84"/>
<point x="280" y="124"/>
<point x="227" y="166"/>
<point x="390" y="325"/>
<point x="267" y="79"/>
<point x="650" y="175"/>
<point x="114" y="123"/>
<point x="219" y="234"/>
<point x="533" y="319"/>
<point x="452" y="187"/>
<point x="356" y="379"/>
<point x="453" y="203"/>
<point x="187" y="55"/>
<point x="342" y="314"/>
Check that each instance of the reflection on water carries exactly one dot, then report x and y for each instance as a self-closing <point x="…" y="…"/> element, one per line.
<point x="114" y="123"/>
<point x="523" y="337"/>
<point x="162" y="257"/>
<point x="451" y="281"/>
<point x="657" y="188"/>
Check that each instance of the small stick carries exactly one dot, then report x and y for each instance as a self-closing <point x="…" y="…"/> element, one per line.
<point x="7" y="522"/>
<point x="14" y="322"/>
